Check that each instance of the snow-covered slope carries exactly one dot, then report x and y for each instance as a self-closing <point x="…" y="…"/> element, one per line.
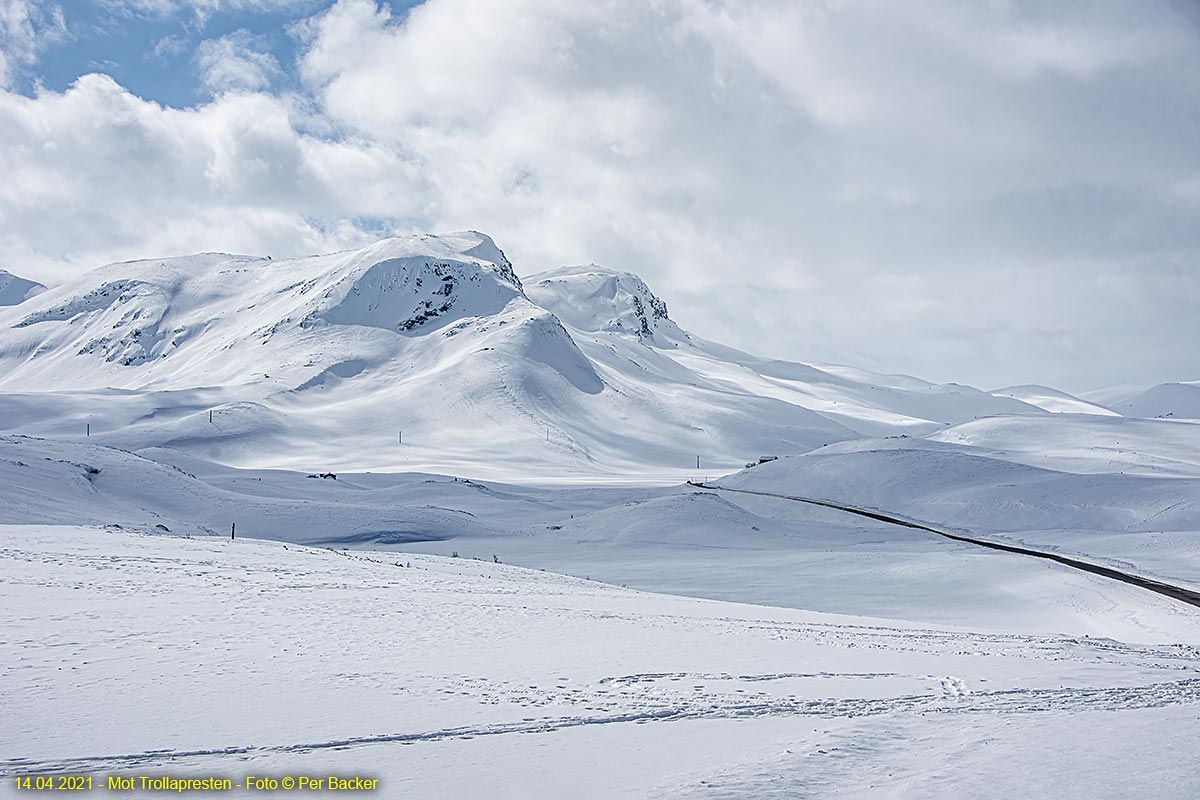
<point x="618" y="321"/>
<point x="1053" y="400"/>
<point x="678" y="539"/>
<point x="129" y="654"/>
<point x="14" y="290"/>
<point x="594" y="299"/>
<point x="1085" y="443"/>
<point x="975" y="490"/>
<point x="1178" y="400"/>
<point x="425" y="353"/>
<point x="1142" y="513"/>
<point x="1166" y="400"/>
<point x="68" y="483"/>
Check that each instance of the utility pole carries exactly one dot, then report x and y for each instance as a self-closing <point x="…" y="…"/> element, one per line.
<point x="89" y="429"/>
<point x="210" y="416"/>
<point x="697" y="462"/>
<point x="232" y="531"/>
<point x="400" y="438"/>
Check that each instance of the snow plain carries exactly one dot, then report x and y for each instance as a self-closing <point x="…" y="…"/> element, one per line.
<point x="642" y="637"/>
<point x="155" y="654"/>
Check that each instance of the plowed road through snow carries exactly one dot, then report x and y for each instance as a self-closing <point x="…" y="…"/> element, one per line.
<point x="1169" y="590"/>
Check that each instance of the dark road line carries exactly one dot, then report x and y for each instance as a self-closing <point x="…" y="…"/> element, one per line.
<point x="1189" y="596"/>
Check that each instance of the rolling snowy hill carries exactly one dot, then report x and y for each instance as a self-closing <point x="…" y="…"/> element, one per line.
<point x="1166" y="400"/>
<point x="681" y="539"/>
<point x="1053" y="400"/>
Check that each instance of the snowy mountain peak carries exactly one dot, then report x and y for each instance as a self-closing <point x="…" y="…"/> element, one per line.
<point x="14" y="290"/>
<point x="468" y="247"/>
<point x="190" y="319"/>
<point x="593" y="298"/>
<point x="408" y="283"/>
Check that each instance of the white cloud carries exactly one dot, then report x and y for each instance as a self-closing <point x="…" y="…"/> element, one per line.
<point x="237" y="61"/>
<point x="994" y="193"/>
<point x="95" y="174"/>
<point x="871" y="181"/>
<point x="203" y="10"/>
<point x="26" y="26"/>
<point x="169" y="46"/>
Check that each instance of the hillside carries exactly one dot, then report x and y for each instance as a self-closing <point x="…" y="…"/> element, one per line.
<point x="1165" y="401"/>
<point x="675" y="539"/>
<point x="1053" y="400"/>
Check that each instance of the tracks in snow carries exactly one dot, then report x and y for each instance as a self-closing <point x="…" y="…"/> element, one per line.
<point x="1179" y="593"/>
<point x="952" y="699"/>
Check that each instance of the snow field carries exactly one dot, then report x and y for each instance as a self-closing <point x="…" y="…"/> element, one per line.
<point x="132" y="652"/>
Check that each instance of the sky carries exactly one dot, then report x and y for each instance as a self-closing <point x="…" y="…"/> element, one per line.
<point x="993" y="193"/>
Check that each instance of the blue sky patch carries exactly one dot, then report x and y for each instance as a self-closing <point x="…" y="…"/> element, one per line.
<point x="153" y="55"/>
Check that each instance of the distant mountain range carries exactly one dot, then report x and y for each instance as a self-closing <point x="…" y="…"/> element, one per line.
<point x="429" y="352"/>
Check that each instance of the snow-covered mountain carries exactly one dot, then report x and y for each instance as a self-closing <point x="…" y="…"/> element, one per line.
<point x="122" y="390"/>
<point x="425" y="352"/>
<point x="14" y="290"/>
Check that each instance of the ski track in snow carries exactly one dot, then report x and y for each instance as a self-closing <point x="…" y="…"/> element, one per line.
<point x="952" y="700"/>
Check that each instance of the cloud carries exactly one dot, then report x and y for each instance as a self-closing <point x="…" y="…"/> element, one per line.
<point x="929" y="188"/>
<point x="95" y="174"/>
<point x="201" y="11"/>
<point x="992" y="193"/>
<point x="26" y="27"/>
<point x="169" y="46"/>
<point x="238" y="61"/>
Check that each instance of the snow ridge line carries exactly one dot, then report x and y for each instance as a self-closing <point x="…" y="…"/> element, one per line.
<point x="1006" y="700"/>
<point x="1172" y="591"/>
